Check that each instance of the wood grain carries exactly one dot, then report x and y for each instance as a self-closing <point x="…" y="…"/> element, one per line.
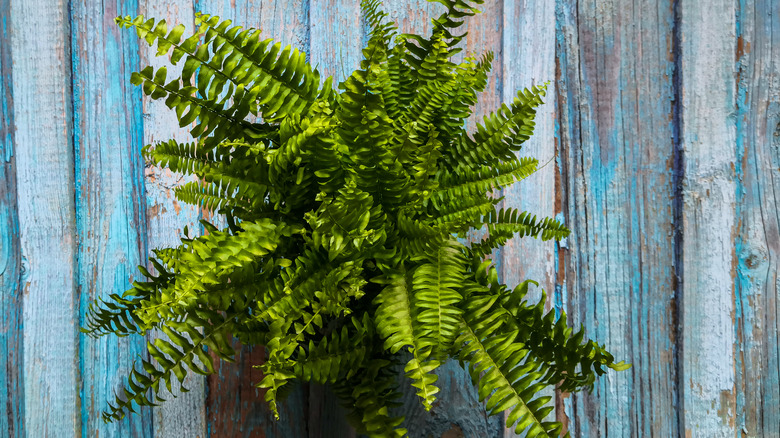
<point x="615" y="67"/>
<point x="757" y="242"/>
<point x="11" y="268"/>
<point x="709" y="218"/>
<point x="110" y="201"/>
<point x="528" y="59"/>
<point x="336" y="36"/>
<point x="44" y="175"/>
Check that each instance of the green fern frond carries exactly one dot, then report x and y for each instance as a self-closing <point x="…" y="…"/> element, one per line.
<point x="483" y="179"/>
<point x="337" y="356"/>
<point x="435" y="286"/>
<point x="214" y="122"/>
<point x="117" y="314"/>
<point x="397" y="322"/>
<point x="342" y="208"/>
<point x="505" y="374"/>
<point x="210" y="261"/>
<point x="571" y="363"/>
<point x="502" y="133"/>
<point x="466" y="210"/>
<point x="214" y="197"/>
<point x="522" y="223"/>
<point x="185" y="351"/>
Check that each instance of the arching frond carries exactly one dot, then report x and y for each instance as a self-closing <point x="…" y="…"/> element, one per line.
<point x="342" y="207"/>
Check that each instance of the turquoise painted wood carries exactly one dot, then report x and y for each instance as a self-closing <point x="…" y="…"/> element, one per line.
<point x="11" y="341"/>
<point x="662" y="128"/>
<point x="616" y="129"/>
<point x="757" y="307"/>
<point x="43" y="149"/>
<point x="109" y="192"/>
<point x="529" y="28"/>
<point x="709" y="218"/>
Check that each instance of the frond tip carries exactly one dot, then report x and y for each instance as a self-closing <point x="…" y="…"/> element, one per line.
<point x="341" y="208"/>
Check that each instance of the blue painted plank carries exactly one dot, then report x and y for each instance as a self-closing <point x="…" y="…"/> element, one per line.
<point x="564" y="410"/>
<point x="44" y="175"/>
<point x="11" y="268"/>
<point x="528" y="60"/>
<point x="184" y="414"/>
<point x="337" y="37"/>
<point x="757" y="301"/>
<point x="709" y="218"/>
<point x="616" y="128"/>
<point x="110" y="200"/>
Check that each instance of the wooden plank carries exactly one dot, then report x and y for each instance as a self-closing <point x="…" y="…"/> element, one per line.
<point x="44" y="174"/>
<point x="567" y="131"/>
<point x="757" y="243"/>
<point x="110" y="202"/>
<point x="528" y="60"/>
<point x="11" y="268"/>
<point x="708" y="136"/>
<point x="234" y="406"/>
<point x="412" y="16"/>
<point x="283" y="21"/>
<point x="616" y="69"/>
<point x="184" y="414"/>
<point x="336" y="37"/>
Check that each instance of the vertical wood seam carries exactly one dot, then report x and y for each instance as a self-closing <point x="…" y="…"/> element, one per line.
<point x="78" y="361"/>
<point x="678" y="176"/>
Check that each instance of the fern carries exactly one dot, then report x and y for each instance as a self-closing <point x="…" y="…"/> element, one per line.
<point x="342" y="208"/>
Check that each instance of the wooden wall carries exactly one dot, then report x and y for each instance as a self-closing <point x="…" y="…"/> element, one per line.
<point x="663" y="131"/>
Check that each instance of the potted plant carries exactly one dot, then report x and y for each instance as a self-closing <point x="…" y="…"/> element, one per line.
<point x="343" y="211"/>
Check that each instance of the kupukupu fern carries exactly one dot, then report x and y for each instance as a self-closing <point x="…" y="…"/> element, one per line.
<point x="343" y="211"/>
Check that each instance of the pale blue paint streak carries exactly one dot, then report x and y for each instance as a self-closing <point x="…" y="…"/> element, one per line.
<point x="110" y="201"/>
<point x="44" y="173"/>
<point x="11" y="341"/>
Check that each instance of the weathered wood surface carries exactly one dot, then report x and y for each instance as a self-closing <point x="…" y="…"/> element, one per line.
<point x="110" y="203"/>
<point x="757" y="235"/>
<point x="11" y="340"/>
<point x="663" y="126"/>
<point x="42" y="146"/>
<point x="616" y="136"/>
<point x="529" y="29"/>
<point x="709" y="217"/>
<point x="166" y="218"/>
